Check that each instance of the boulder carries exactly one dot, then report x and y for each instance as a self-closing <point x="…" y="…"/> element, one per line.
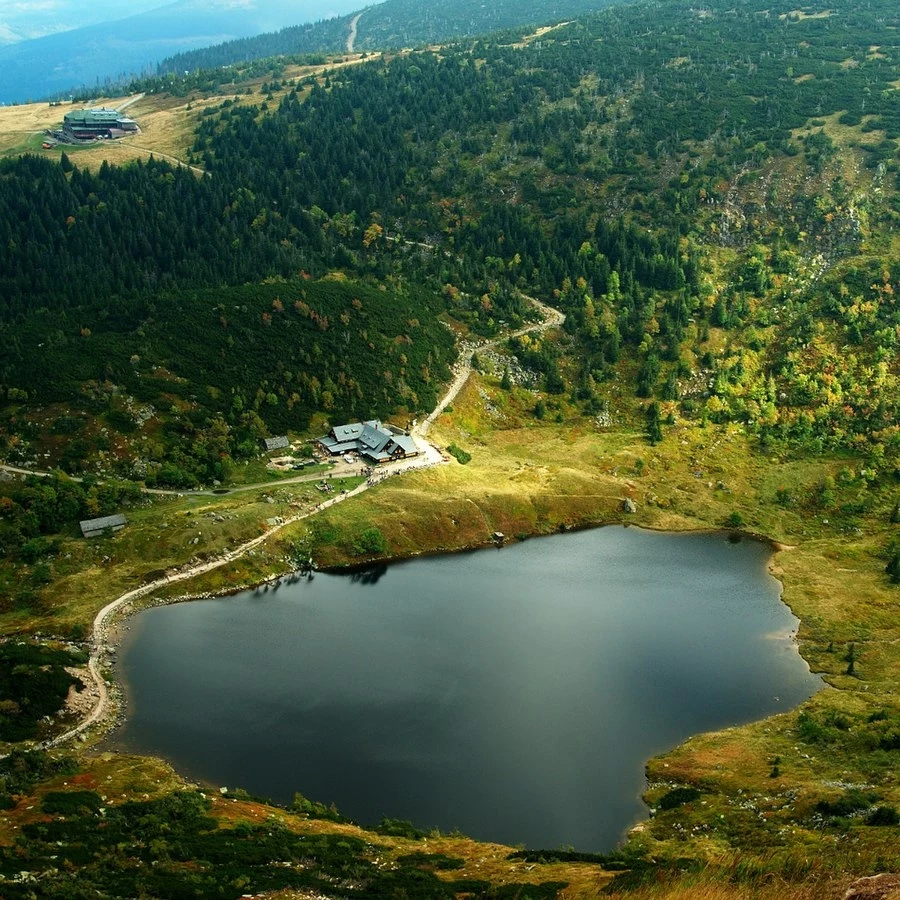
<point x="875" y="887"/>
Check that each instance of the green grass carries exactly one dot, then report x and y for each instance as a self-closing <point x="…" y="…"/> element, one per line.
<point x="17" y="144"/>
<point x="258" y="470"/>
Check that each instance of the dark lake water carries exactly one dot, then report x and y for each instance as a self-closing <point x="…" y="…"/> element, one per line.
<point x="514" y="694"/>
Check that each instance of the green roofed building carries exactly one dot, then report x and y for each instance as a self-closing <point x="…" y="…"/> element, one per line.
<point x="97" y="122"/>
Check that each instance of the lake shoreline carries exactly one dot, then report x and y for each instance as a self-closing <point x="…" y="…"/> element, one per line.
<point x="274" y="582"/>
<point x="117" y="626"/>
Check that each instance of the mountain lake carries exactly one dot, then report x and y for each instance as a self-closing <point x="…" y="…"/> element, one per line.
<point x="514" y="694"/>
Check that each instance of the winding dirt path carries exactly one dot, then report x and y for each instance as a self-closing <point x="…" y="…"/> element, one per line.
<point x="351" y="38"/>
<point x="553" y="318"/>
<point x="429" y="456"/>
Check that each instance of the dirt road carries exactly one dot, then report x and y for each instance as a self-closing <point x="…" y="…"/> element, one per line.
<point x="463" y="369"/>
<point x="351" y="38"/>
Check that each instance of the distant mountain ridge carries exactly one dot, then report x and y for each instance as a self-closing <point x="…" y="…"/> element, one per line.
<point x="22" y="21"/>
<point x="389" y="25"/>
<point x="58" y="63"/>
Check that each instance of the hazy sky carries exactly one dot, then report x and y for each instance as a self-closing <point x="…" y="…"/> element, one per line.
<point x="24" y="19"/>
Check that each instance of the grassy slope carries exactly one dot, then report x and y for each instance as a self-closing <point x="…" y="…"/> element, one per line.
<point x="167" y="123"/>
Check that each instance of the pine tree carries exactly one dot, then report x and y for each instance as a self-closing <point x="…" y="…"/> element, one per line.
<point x="654" y="427"/>
<point x="893" y="568"/>
<point x="851" y="659"/>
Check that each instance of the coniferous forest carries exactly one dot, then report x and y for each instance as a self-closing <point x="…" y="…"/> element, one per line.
<point x="599" y="166"/>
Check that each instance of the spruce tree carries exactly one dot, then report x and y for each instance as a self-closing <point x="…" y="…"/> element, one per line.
<point x="893" y="568"/>
<point x="654" y="427"/>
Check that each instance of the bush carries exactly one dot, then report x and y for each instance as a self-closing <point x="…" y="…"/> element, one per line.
<point x="70" y="803"/>
<point x="316" y="810"/>
<point x="435" y="861"/>
<point x="34" y="679"/>
<point x="851" y="802"/>
<point x="32" y="550"/>
<point x="399" y="828"/>
<point x="23" y="769"/>
<point x="460" y="455"/>
<point x="883" y="815"/>
<point x="678" y="797"/>
<point x="371" y="542"/>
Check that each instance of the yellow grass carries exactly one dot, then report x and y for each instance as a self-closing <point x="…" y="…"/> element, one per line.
<point x="167" y="123"/>
<point x="700" y="889"/>
<point x="167" y="127"/>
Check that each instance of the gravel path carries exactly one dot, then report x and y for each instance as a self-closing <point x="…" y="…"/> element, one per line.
<point x="463" y="369"/>
<point x="351" y="38"/>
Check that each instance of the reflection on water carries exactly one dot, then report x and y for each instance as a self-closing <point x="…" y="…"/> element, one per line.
<point x="515" y="695"/>
<point x="369" y="575"/>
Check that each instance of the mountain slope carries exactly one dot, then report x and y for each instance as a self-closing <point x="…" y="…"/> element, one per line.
<point x="712" y="198"/>
<point x="87" y="56"/>
<point x="389" y="25"/>
<point x="696" y="194"/>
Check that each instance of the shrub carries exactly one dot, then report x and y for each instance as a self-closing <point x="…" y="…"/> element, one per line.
<point x="70" y="803"/>
<point x="399" y="828"/>
<point x="437" y="861"/>
<point x="883" y="815"/>
<point x="316" y="810"/>
<point x="370" y="542"/>
<point x="34" y="678"/>
<point x="678" y="797"/>
<point x="460" y="455"/>
<point x="23" y="769"/>
<point x="850" y="802"/>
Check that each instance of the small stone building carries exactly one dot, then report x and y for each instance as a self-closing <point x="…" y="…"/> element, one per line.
<point x="97" y="527"/>
<point x="275" y="443"/>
